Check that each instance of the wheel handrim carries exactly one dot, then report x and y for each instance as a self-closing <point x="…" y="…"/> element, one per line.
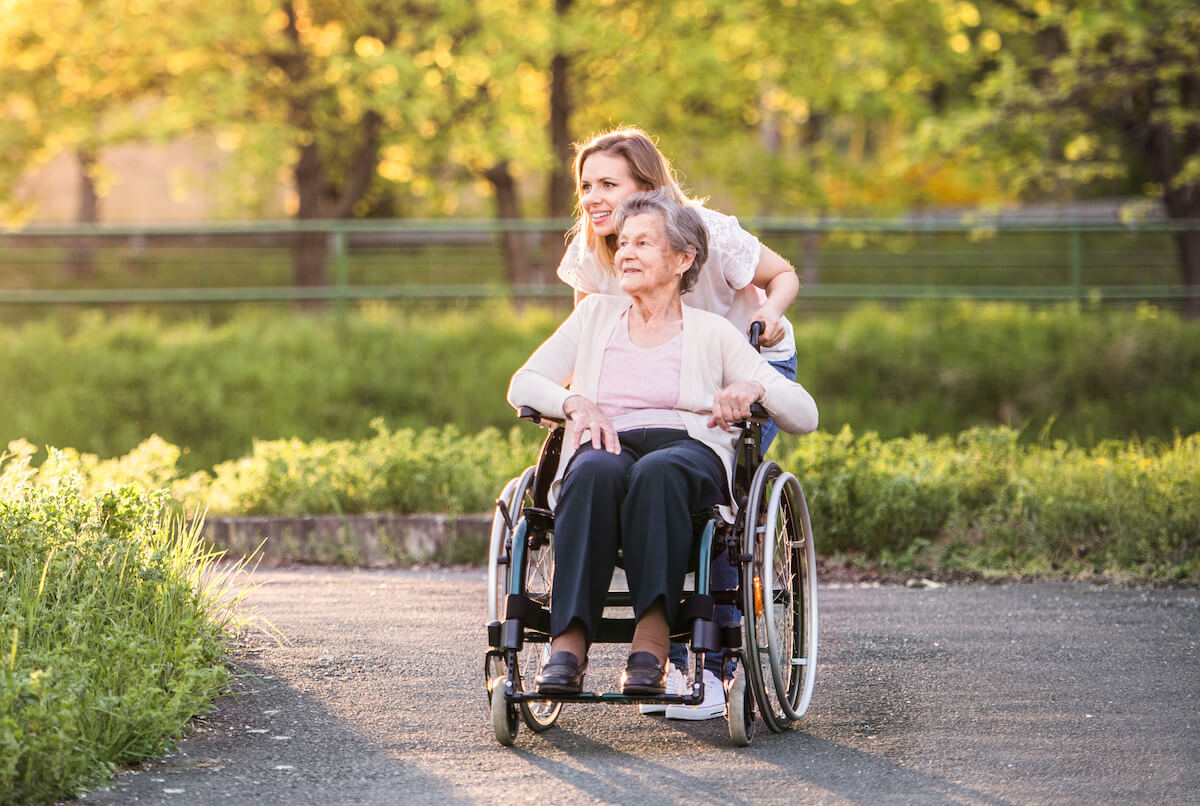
<point x="789" y="583"/>
<point x="513" y="495"/>
<point x="753" y="599"/>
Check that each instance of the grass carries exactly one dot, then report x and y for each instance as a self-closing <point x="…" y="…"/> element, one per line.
<point x="113" y="624"/>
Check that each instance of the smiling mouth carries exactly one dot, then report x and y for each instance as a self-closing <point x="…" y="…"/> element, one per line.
<point x="600" y="216"/>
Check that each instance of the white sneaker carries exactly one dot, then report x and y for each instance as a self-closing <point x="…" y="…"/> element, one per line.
<point x="713" y="705"/>
<point x="676" y="684"/>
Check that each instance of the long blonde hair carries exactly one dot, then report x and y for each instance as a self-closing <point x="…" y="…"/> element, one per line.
<point x="649" y="168"/>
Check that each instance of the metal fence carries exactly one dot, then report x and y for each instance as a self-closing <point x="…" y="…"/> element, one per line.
<point x="840" y="261"/>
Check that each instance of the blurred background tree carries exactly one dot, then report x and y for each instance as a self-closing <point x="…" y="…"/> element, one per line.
<point x="1089" y="96"/>
<point x="389" y="108"/>
<point x="79" y="77"/>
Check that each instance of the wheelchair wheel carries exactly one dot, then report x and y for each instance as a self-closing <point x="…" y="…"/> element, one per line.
<point x="504" y="714"/>
<point x="536" y="562"/>
<point x="539" y="574"/>
<point x="515" y="497"/>
<point x="780" y="598"/>
<point x="538" y="715"/>
<point x="740" y="712"/>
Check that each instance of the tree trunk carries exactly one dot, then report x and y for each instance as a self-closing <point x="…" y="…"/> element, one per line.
<point x="1180" y="202"/>
<point x="1188" y="244"/>
<point x="308" y="248"/>
<point x="80" y="260"/>
<point x="508" y="208"/>
<point x="561" y="188"/>
<point x="810" y="271"/>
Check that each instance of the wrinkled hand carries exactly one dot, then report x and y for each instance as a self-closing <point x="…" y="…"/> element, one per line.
<point x="586" y="416"/>
<point x="773" y="331"/>
<point x="731" y="405"/>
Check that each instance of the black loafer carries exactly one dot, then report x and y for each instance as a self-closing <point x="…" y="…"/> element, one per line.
<point x="562" y="674"/>
<point x="643" y="675"/>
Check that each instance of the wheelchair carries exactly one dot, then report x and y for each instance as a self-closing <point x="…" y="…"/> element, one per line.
<point x="770" y="543"/>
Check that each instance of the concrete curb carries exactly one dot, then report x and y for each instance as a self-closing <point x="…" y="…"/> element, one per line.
<point x="370" y="541"/>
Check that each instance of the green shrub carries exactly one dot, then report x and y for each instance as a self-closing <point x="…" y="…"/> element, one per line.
<point x="938" y="368"/>
<point x="111" y="639"/>
<point x="215" y="390"/>
<point x="405" y="471"/>
<point x="981" y="500"/>
<point x="985" y="501"/>
<point x="276" y="375"/>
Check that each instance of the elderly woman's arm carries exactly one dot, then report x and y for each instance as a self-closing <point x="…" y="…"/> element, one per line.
<point x="541" y="383"/>
<point x="746" y="372"/>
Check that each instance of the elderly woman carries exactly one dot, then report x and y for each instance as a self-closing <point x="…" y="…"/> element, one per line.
<point x="656" y="388"/>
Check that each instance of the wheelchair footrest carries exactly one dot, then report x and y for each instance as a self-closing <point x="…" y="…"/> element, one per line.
<point x="605" y="697"/>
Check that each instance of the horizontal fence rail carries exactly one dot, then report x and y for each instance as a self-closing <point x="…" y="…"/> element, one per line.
<point x="1033" y="259"/>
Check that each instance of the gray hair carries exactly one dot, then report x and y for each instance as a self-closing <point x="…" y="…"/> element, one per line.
<point x="682" y="226"/>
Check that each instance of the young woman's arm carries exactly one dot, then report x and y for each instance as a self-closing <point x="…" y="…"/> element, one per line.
<point x="778" y="279"/>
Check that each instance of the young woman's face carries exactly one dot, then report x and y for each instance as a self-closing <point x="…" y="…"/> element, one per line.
<point x="604" y="182"/>
<point x="644" y="259"/>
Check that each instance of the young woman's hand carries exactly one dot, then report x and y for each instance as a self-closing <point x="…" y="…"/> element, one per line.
<point x="773" y="331"/>
<point x="731" y="405"/>
<point x="586" y="416"/>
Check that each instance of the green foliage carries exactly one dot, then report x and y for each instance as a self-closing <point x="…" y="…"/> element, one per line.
<point x="935" y="369"/>
<point x="1097" y="94"/>
<point x="981" y="500"/>
<point x="111" y="638"/>
<point x="406" y="471"/>
<point x="215" y="390"/>
<point x="940" y="369"/>
<point x="985" y="501"/>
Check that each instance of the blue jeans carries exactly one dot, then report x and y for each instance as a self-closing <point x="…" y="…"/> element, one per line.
<point x="722" y="575"/>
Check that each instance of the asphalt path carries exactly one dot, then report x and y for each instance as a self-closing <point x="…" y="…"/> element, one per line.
<point x="1043" y="693"/>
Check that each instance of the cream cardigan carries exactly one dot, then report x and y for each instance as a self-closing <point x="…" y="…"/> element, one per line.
<point x="715" y="354"/>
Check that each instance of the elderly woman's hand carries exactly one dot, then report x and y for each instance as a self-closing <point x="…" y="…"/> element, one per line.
<point x="586" y="416"/>
<point x="731" y="405"/>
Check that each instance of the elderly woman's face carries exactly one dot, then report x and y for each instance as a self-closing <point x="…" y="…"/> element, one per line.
<point x="644" y="260"/>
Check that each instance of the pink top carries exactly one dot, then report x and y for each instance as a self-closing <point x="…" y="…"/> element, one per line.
<point x="639" y="387"/>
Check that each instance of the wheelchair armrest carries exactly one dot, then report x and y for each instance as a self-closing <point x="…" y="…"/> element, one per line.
<point x="532" y="415"/>
<point x="759" y="413"/>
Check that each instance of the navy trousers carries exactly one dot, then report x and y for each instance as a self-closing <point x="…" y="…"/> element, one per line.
<point x="639" y="501"/>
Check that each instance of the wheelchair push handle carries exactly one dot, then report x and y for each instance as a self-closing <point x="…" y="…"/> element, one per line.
<point x="756" y="331"/>
<point x="758" y="412"/>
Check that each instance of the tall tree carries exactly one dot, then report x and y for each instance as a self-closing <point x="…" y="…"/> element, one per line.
<point x="78" y="77"/>
<point x="1086" y="93"/>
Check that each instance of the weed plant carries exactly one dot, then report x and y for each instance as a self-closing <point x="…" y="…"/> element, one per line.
<point x="112" y="625"/>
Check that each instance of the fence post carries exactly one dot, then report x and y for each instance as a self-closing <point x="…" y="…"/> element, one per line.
<point x="1075" y="260"/>
<point x="341" y="272"/>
